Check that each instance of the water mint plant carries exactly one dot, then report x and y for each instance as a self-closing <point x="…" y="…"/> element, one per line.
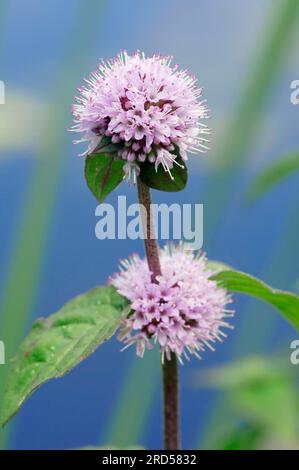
<point x="140" y="116"/>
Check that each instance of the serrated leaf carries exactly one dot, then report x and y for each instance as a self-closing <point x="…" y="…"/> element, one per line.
<point x="103" y="173"/>
<point x="58" y="343"/>
<point x="161" y="179"/>
<point x="286" y="302"/>
<point x="273" y="175"/>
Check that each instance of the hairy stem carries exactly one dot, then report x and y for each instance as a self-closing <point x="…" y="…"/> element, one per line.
<point x="171" y="403"/>
<point x="169" y="367"/>
<point x="150" y="240"/>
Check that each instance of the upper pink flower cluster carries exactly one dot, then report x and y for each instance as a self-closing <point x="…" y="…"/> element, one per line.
<point x="183" y="312"/>
<point x="145" y="104"/>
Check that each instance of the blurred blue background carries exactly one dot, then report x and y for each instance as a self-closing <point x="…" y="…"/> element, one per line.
<point x="245" y="55"/>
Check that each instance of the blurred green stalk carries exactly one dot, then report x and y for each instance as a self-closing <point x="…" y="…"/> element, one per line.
<point x="23" y="277"/>
<point x="272" y="50"/>
<point x="241" y="134"/>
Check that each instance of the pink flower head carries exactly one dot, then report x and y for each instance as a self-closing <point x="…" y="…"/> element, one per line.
<point x="151" y="109"/>
<point x="183" y="312"/>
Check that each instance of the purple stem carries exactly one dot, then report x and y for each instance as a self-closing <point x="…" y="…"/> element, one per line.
<point x="169" y="367"/>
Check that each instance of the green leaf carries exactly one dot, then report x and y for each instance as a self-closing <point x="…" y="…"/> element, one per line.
<point x="58" y="343"/>
<point x="102" y="172"/>
<point x="161" y="180"/>
<point x="286" y="302"/>
<point x="274" y="174"/>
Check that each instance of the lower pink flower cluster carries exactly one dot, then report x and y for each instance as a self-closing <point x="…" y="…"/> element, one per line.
<point x="183" y="312"/>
